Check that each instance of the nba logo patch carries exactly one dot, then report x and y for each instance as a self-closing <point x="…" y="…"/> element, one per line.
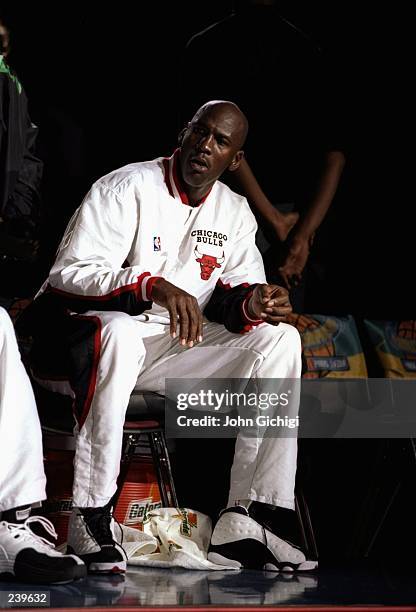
<point x="156" y="243"/>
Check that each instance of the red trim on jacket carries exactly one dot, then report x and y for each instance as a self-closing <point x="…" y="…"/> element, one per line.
<point x="244" y="312"/>
<point x="178" y="183"/>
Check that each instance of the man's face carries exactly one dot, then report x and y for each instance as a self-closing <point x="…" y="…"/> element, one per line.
<point x="210" y="145"/>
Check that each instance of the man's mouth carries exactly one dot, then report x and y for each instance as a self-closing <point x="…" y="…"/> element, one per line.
<point x="198" y="164"/>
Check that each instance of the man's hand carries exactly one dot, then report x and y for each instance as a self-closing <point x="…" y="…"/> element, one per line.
<point x="271" y="303"/>
<point x="183" y="308"/>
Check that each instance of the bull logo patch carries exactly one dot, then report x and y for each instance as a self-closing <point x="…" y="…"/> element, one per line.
<point x="208" y="263"/>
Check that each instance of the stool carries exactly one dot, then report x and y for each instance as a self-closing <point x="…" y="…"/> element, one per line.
<point x="143" y="418"/>
<point x="132" y="432"/>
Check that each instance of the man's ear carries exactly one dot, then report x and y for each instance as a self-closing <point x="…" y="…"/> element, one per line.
<point x="182" y="135"/>
<point x="235" y="164"/>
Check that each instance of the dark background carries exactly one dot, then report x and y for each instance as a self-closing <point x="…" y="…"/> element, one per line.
<point x="105" y="88"/>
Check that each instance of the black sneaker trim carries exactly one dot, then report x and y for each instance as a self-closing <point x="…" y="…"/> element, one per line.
<point x="97" y="522"/>
<point x="236" y="509"/>
<point x="252" y="554"/>
<point x="263" y="515"/>
<point x="35" y="567"/>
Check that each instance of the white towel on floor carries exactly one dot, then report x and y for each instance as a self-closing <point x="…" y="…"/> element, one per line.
<point x="171" y="537"/>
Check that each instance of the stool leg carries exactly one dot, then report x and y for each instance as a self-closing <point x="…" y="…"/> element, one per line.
<point x="129" y="444"/>
<point x="163" y="469"/>
<point x="168" y="470"/>
<point x="155" y="450"/>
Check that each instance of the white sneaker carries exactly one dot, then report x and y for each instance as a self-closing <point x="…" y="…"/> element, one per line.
<point x="91" y="537"/>
<point x="31" y="558"/>
<point x="240" y="541"/>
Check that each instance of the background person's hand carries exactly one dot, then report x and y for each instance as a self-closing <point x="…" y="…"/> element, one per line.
<point x="284" y="223"/>
<point x="295" y="261"/>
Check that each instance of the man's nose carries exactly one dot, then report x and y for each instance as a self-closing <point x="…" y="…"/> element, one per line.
<point x="205" y="143"/>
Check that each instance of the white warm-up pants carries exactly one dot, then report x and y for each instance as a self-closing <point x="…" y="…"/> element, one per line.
<point x="134" y="353"/>
<point x="22" y="478"/>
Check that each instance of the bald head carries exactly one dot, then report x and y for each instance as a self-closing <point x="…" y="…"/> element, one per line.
<point x="238" y="118"/>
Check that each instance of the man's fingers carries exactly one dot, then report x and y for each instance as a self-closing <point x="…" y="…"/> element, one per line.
<point x="264" y="293"/>
<point x="281" y="311"/>
<point x="193" y="325"/>
<point x="280" y="300"/>
<point x="183" y="323"/>
<point x="200" y="331"/>
<point x="199" y="323"/>
<point x="173" y="315"/>
<point x="183" y="308"/>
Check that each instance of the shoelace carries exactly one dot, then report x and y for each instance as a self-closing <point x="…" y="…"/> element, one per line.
<point x="23" y="530"/>
<point x="100" y="529"/>
<point x="98" y="526"/>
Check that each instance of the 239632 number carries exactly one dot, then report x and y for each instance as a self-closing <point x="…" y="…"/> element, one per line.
<point x="25" y="598"/>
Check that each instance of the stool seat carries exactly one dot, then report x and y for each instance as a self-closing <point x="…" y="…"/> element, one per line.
<point x="132" y="426"/>
<point x="146" y="410"/>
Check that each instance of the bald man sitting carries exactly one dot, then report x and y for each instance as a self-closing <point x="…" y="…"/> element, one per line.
<point x="158" y="276"/>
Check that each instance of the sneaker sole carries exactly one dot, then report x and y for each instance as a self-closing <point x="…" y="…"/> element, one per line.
<point x="33" y="575"/>
<point x="26" y="569"/>
<point x="221" y="560"/>
<point x="118" y="567"/>
<point x="95" y="565"/>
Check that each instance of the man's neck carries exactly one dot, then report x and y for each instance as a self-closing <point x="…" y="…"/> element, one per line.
<point x="192" y="196"/>
<point x="196" y="195"/>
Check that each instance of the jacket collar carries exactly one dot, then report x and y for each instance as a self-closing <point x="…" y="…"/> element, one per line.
<point x="173" y="181"/>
